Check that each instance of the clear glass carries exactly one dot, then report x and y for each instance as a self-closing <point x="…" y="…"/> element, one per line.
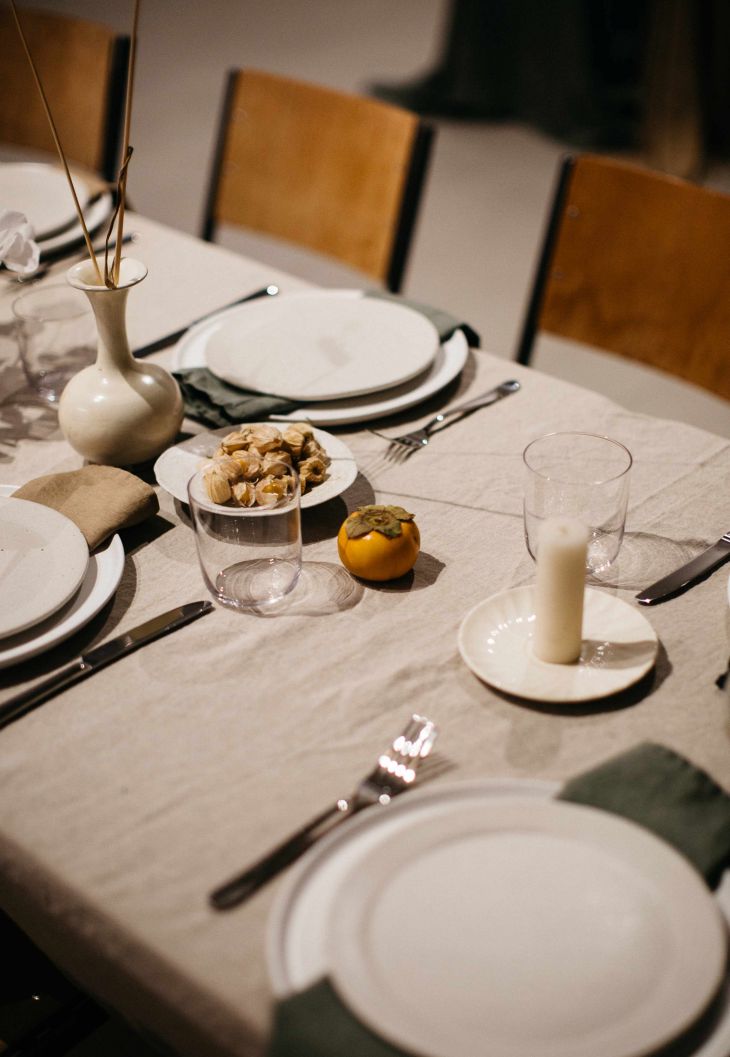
<point x="583" y="476"/>
<point x="250" y="557"/>
<point x="56" y="337"/>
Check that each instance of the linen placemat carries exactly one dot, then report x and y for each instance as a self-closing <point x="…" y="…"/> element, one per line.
<point x="100" y="500"/>
<point x="217" y="403"/>
<point x="649" y="784"/>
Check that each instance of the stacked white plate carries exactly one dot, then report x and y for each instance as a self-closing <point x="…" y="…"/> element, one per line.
<point x="41" y="192"/>
<point x="346" y="357"/>
<point x="488" y="917"/>
<point x="50" y="586"/>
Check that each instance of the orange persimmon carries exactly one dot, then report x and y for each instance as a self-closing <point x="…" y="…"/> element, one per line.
<point x="379" y="542"/>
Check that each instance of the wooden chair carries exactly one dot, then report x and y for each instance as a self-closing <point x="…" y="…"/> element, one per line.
<point x="636" y="263"/>
<point x="329" y="171"/>
<point x="83" y="67"/>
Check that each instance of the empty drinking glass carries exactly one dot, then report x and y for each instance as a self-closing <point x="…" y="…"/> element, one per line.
<point x="250" y="556"/>
<point x="56" y="337"/>
<point x="583" y="476"/>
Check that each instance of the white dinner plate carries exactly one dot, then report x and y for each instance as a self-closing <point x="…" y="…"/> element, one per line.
<point x="176" y="465"/>
<point x="619" y="647"/>
<point x="299" y="928"/>
<point x="318" y="345"/>
<point x="43" y="561"/>
<point x="102" y="578"/>
<point x="549" y="929"/>
<point x="42" y="193"/>
<point x="95" y="215"/>
<point x="447" y="364"/>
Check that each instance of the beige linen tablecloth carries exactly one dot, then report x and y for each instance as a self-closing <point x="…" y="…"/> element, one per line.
<point x="126" y="799"/>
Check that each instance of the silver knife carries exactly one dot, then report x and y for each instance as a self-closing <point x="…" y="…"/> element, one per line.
<point x="688" y="574"/>
<point x="99" y="657"/>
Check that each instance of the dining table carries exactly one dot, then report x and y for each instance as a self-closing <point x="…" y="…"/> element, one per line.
<point x="127" y="798"/>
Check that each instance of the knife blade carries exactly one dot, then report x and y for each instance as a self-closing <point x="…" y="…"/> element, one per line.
<point x="687" y="575"/>
<point x="99" y="657"/>
<point x="169" y="339"/>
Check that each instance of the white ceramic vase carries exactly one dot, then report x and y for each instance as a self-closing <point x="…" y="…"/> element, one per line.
<point x="118" y="411"/>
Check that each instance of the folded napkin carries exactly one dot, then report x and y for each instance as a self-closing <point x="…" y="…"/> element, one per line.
<point x="216" y="403"/>
<point x="649" y="784"/>
<point x="100" y="500"/>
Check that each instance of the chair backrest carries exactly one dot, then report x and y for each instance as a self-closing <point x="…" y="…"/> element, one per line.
<point x="636" y="263"/>
<point x="83" y="68"/>
<point x="323" y="169"/>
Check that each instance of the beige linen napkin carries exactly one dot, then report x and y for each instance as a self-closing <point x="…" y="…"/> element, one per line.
<point x="100" y="500"/>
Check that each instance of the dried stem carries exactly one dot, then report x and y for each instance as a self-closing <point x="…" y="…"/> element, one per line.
<point x="57" y="141"/>
<point x="122" y="185"/>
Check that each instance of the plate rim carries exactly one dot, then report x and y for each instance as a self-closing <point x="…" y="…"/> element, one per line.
<point x="581" y="682"/>
<point x="629" y="843"/>
<point x="107" y="563"/>
<point x="94" y="218"/>
<point x="269" y="307"/>
<point x="309" y="499"/>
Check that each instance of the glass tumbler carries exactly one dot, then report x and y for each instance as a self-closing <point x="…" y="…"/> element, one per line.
<point x="250" y="556"/>
<point x="56" y="337"/>
<point x="583" y="476"/>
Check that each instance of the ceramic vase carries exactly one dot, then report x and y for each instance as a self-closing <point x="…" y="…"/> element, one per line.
<point x="118" y="411"/>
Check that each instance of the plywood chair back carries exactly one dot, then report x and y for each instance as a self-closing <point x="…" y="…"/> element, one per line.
<point x="83" y="68"/>
<point x="319" y="168"/>
<point x="637" y="263"/>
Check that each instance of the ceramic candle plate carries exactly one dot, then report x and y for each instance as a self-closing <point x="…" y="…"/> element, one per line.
<point x="619" y="647"/>
<point x="43" y="561"/>
<point x="176" y="465"/>
<point x="320" y="346"/>
<point x="42" y="193"/>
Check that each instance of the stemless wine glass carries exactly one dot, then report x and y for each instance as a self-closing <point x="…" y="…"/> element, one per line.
<point x="583" y="476"/>
<point x="251" y="556"/>
<point x="56" y="337"/>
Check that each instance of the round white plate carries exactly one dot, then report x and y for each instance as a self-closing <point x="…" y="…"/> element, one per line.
<point x="448" y="363"/>
<point x="43" y="560"/>
<point x="299" y="925"/>
<point x="102" y="577"/>
<point x="176" y="465"/>
<point x="549" y="929"/>
<point x="619" y="647"/>
<point x="318" y="345"/>
<point x="42" y="193"/>
<point x="96" y="214"/>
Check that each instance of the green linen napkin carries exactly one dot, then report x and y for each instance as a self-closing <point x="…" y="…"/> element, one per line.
<point x="649" y="784"/>
<point x="216" y="403"/>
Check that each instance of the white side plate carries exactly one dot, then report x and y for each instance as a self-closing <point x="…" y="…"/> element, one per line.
<point x="176" y="465"/>
<point x="619" y="647"/>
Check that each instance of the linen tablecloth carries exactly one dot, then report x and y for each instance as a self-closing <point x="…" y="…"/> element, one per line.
<point x="126" y="799"/>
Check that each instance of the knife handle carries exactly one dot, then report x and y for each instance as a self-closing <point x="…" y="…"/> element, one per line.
<point x="26" y="701"/>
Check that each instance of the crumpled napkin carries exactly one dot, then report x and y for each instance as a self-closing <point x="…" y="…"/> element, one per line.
<point x="217" y="403"/>
<point x="649" y="784"/>
<point x="100" y="500"/>
<point x="18" y="252"/>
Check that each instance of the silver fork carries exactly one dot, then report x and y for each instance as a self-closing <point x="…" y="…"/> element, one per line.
<point x="400" y="448"/>
<point x="394" y="772"/>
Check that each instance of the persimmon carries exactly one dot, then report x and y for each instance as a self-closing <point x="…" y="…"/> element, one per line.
<point x="379" y="542"/>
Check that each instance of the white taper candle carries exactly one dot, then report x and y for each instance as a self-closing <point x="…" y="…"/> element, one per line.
<point x="561" y="573"/>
